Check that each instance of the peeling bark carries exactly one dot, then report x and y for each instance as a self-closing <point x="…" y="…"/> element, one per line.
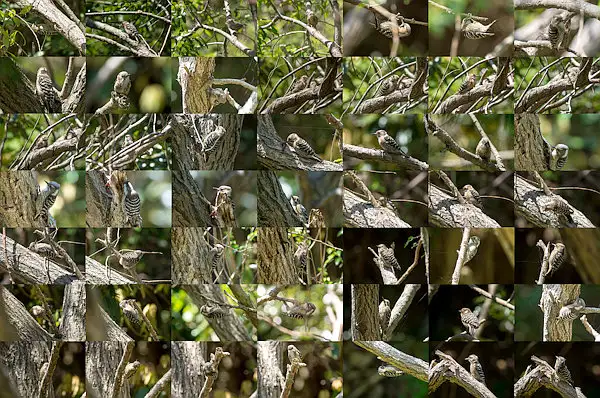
<point x="362" y="214"/>
<point x="446" y="211"/>
<point x="188" y="357"/>
<point x="270" y="368"/>
<point x="554" y="297"/>
<point x="529" y="143"/>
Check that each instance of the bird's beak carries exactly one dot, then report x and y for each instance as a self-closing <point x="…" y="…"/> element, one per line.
<point x="373" y="133"/>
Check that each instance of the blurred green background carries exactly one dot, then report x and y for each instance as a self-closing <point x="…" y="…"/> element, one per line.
<point x="69" y="207"/>
<point x="154" y="188"/>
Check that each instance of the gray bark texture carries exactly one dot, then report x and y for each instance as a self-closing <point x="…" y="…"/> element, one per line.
<point x="194" y="77"/>
<point x="17" y="316"/>
<point x="189" y="151"/>
<point x="190" y="256"/>
<point x="18" y="192"/>
<point x="274" y="153"/>
<point x="445" y="211"/>
<point x="95" y="274"/>
<point x="529" y="143"/>
<point x="72" y="327"/>
<point x="276" y="257"/>
<point x="22" y="362"/>
<point x="365" y="313"/>
<point x="544" y="376"/>
<point x="189" y="204"/>
<point x="404" y="162"/>
<point x="105" y="204"/>
<point x="528" y="204"/>
<point x="274" y="208"/>
<point x="101" y="361"/>
<point x="450" y="370"/>
<point x="270" y="368"/>
<point x="187" y="357"/>
<point x="17" y="92"/>
<point x="412" y="366"/>
<point x="359" y="213"/>
<point x="228" y="328"/>
<point x="554" y="297"/>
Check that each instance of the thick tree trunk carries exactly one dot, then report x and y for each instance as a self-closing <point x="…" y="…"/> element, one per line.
<point x="554" y="297"/>
<point x="359" y="213"/>
<point x="276" y="257"/>
<point x="17" y="92"/>
<point x="274" y="208"/>
<point x="189" y="204"/>
<point x="195" y="76"/>
<point x="17" y="316"/>
<point x="187" y="357"/>
<point x="185" y="144"/>
<point x="529" y="143"/>
<point x="270" y="368"/>
<point x="190" y="257"/>
<point x="18" y="193"/>
<point x="229" y="328"/>
<point x="101" y="361"/>
<point x="72" y="327"/>
<point x="22" y="362"/>
<point x="365" y="313"/>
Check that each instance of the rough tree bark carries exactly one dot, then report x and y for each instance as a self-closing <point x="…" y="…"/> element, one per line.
<point x="276" y="257"/>
<point x="18" y="192"/>
<point x="270" y="368"/>
<point x="229" y="328"/>
<point x="17" y="92"/>
<point x="25" y="326"/>
<point x="412" y="366"/>
<point x="189" y="151"/>
<point x="72" y="327"/>
<point x="365" y="313"/>
<point x="190" y="207"/>
<point x="446" y="211"/>
<point x="190" y="255"/>
<point x="274" y="208"/>
<point x="274" y="154"/>
<point x="101" y="361"/>
<point x="554" y="297"/>
<point x="450" y="370"/>
<point x="187" y="358"/>
<point x="104" y="200"/>
<point x="195" y="78"/>
<point x="95" y="274"/>
<point x="582" y="245"/>
<point x="543" y="375"/>
<point x="529" y="143"/>
<point x="22" y="362"/>
<point x="360" y="213"/>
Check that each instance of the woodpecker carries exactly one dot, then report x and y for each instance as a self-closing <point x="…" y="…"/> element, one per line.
<point x="130" y="369"/>
<point x="127" y="140"/>
<point x="476" y="369"/>
<point x="560" y="367"/>
<point x="387" y="256"/>
<point x="302" y="148"/>
<point x="558" y="30"/>
<point x="294" y="354"/>
<point x="224" y="205"/>
<point x="46" y="91"/>
<point x="572" y="311"/>
<point x="301" y="310"/>
<point x="386" y="28"/>
<point x="211" y="140"/>
<point x="301" y="257"/>
<point x="484" y="149"/>
<point x="132" y="205"/>
<point x="46" y="198"/>
<point x="384" y="315"/>
<point x="131" y="31"/>
<point x="311" y="18"/>
<point x="388" y="144"/>
<point x="472" y="247"/>
<point x="467" y="84"/>
<point x="129" y="259"/>
<point x="469" y="320"/>
<point x="42" y="142"/>
<point x="43" y="249"/>
<point x="389" y="371"/>
<point x="558" y="206"/>
<point x="299" y="209"/>
<point x="299" y="85"/>
<point x="209" y="311"/>
<point x="559" y="156"/>
<point x="122" y="83"/>
<point x="388" y="86"/>
<point x="475" y="30"/>
<point x="130" y="311"/>
<point x="234" y="25"/>
<point x="38" y="311"/>
<point x="216" y="255"/>
<point x="471" y="195"/>
<point x="557" y="257"/>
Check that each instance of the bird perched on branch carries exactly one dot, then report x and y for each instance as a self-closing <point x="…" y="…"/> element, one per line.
<point x="129" y="259"/>
<point x="572" y="311"/>
<point x="469" y="320"/>
<point x="301" y="310"/>
<point x="209" y="311"/>
<point x="224" y="205"/>
<point x="294" y="354"/>
<point x="130" y="311"/>
<point x="561" y="369"/>
<point x="384" y="314"/>
<point x="131" y="31"/>
<point x="301" y="258"/>
<point x="387" y="256"/>
<point x="559" y="156"/>
<point x="302" y="148"/>
<point x="299" y="85"/>
<point x="388" y="86"/>
<point x="471" y="195"/>
<point x="475" y="368"/>
<point x="557" y="257"/>
<point x="386" y="27"/>
<point x="299" y="209"/>
<point x="559" y="207"/>
<point x="212" y="139"/>
<point x="122" y="83"/>
<point x="558" y="30"/>
<point x="468" y="84"/>
<point x="387" y="370"/>
<point x="388" y="144"/>
<point x="45" y="90"/>
<point x="484" y="149"/>
<point x="46" y="198"/>
<point x="311" y="18"/>
<point x="473" y="29"/>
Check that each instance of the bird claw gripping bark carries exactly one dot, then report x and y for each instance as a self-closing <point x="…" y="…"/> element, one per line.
<point x="384" y="315"/>
<point x="561" y="369"/>
<point x="475" y="368"/>
<point x="572" y="311"/>
<point x="474" y="30"/>
<point x="387" y="370"/>
<point x="130" y="369"/>
<point x="469" y="320"/>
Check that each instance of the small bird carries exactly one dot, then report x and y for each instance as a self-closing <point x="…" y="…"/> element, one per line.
<point x="560" y="367"/>
<point x="294" y="354"/>
<point x="209" y="311"/>
<point x="312" y="18"/>
<point x="301" y="258"/>
<point x="469" y="320"/>
<point x="46" y="198"/>
<point x="212" y="139"/>
<point x="130" y="311"/>
<point x="302" y="148"/>
<point x="389" y="371"/>
<point x="45" y="90"/>
<point x="387" y="27"/>
<point x="476" y="369"/>
<point x="384" y="314"/>
<point x="467" y="84"/>
<point x="129" y="259"/>
<point x="127" y="140"/>
<point x="299" y="85"/>
<point x="558" y="206"/>
<point x="224" y="205"/>
<point x="234" y="25"/>
<point x="216" y="255"/>
<point x="131" y="368"/>
<point x="558" y="29"/>
<point x="122" y="83"/>
<point x="388" y="86"/>
<point x="41" y="143"/>
<point x="557" y="257"/>
<point x="131" y="31"/>
<point x="474" y="30"/>
<point x="484" y="149"/>
<point x="132" y="205"/>
<point x="559" y="156"/>
<point x="299" y="209"/>
<point x="472" y="247"/>
<point x="43" y="249"/>
<point x="301" y="310"/>
<point x="471" y="195"/>
<point x="388" y="144"/>
<point x="38" y="311"/>
<point x="387" y="256"/>
<point x="571" y="311"/>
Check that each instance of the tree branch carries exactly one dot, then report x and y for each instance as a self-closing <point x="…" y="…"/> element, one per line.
<point x="400" y="308"/>
<point x="413" y="366"/>
<point x="460" y="260"/>
<point x="447" y="212"/>
<point x="404" y="162"/>
<point x="450" y="370"/>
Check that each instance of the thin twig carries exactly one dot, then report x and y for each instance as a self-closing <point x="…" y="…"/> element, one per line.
<point x="415" y="261"/>
<point x="118" y="382"/>
<point x="493" y="297"/>
<point x="461" y="256"/>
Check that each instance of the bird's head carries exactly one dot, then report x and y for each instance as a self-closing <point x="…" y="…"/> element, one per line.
<point x="292" y="138"/>
<point x="472" y="358"/>
<point x="225" y="189"/>
<point x="561" y="149"/>
<point x="53" y="185"/>
<point x="381" y="246"/>
<point x="464" y="311"/>
<point x="380" y="133"/>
